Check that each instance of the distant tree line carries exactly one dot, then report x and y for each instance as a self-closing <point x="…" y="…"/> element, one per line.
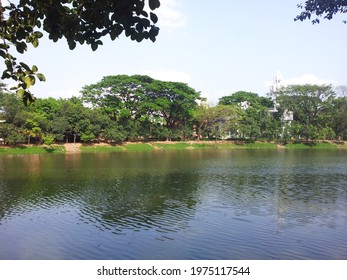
<point x="132" y="108"/>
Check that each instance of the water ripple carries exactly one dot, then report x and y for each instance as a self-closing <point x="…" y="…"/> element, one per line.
<point x="204" y="205"/>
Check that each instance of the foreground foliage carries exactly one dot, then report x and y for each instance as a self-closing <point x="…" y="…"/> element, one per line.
<point x="321" y="8"/>
<point x="78" y="21"/>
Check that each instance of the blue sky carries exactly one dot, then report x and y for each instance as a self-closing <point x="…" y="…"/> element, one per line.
<point x="216" y="46"/>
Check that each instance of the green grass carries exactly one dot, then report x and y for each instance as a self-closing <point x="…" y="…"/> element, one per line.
<point x="138" y="147"/>
<point x="211" y="145"/>
<point x="184" y="145"/>
<point x="100" y="149"/>
<point x="32" y="150"/>
<point x="204" y="146"/>
<point x="310" y="146"/>
<point x="261" y="145"/>
<point x="172" y="146"/>
<point x="256" y="145"/>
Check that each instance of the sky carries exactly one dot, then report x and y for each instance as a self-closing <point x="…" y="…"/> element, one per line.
<point x="217" y="47"/>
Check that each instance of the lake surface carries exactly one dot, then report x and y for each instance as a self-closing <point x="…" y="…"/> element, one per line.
<point x="191" y="204"/>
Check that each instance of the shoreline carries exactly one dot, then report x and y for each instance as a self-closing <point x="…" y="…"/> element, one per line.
<point x="72" y="148"/>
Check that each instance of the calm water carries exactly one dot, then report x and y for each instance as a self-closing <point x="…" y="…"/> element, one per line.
<point x="215" y="204"/>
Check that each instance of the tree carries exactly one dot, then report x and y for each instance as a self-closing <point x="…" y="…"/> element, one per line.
<point x="49" y="107"/>
<point x="339" y="117"/>
<point x="341" y="91"/>
<point x="244" y="96"/>
<point x="120" y="96"/>
<point x="217" y="121"/>
<point x="10" y="106"/>
<point x="255" y="120"/>
<point x="321" y="8"/>
<point x="78" y="21"/>
<point x="173" y="102"/>
<point x="238" y="97"/>
<point x="135" y="102"/>
<point x="311" y="106"/>
<point x="12" y="134"/>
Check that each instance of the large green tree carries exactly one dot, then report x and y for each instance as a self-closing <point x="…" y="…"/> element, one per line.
<point x="311" y="106"/>
<point x="78" y="21"/>
<point x="173" y="102"/>
<point x="339" y="117"/>
<point x="255" y="120"/>
<point x="121" y="96"/>
<point x="217" y="121"/>
<point x="245" y="96"/>
<point x="139" y="103"/>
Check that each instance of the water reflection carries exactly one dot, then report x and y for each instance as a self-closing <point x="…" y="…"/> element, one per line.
<point x="140" y="202"/>
<point x="198" y="204"/>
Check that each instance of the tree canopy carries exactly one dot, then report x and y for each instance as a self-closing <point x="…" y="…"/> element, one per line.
<point x="244" y="96"/>
<point x="321" y="8"/>
<point x="126" y="108"/>
<point x="130" y="100"/>
<point x="316" y="111"/>
<point x="78" y="21"/>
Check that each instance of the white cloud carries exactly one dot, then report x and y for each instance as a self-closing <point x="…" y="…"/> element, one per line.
<point x="169" y="15"/>
<point x="168" y="75"/>
<point x="302" y="80"/>
<point x="307" y="79"/>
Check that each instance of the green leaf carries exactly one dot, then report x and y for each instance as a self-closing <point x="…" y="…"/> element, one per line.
<point x="153" y="33"/>
<point x="72" y="44"/>
<point x="116" y="31"/>
<point x="25" y="66"/>
<point x="154" y="17"/>
<point x="9" y="65"/>
<point x="21" y="33"/>
<point x="34" y="68"/>
<point x="3" y="54"/>
<point x="94" y="46"/>
<point x="41" y="77"/>
<point x="28" y="98"/>
<point x="113" y="34"/>
<point x="153" y="4"/>
<point x="80" y="38"/>
<point x="5" y="75"/>
<point x="38" y="34"/>
<point x="21" y="47"/>
<point x="20" y="93"/>
<point x="35" y="42"/>
<point x="29" y="81"/>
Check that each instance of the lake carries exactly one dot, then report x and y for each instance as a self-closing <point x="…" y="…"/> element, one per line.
<point x="190" y="204"/>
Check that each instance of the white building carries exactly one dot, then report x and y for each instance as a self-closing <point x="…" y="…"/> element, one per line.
<point x="277" y="85"/>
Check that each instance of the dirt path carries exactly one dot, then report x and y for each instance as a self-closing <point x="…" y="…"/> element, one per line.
<point x="154" y="147"/>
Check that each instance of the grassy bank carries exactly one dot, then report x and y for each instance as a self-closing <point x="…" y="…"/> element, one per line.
<point x="154" y="146"/>
<point x="314" y="145"/>
<point x="20" y="150"/>
<point x="100" y="149"/>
